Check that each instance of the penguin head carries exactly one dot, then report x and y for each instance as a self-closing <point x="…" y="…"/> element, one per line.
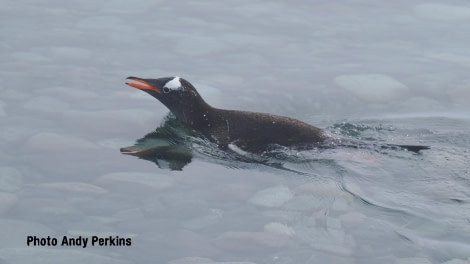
<point x="177" y="94"/>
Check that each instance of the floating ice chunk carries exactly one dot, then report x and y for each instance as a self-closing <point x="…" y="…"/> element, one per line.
<point x="211" y="219"/>
<point x="152" y="180"/>
<point x="280" y="229"/>
<point x="55" y="142"/>
<point x="305" y="202"/>
<point x="352" y="219"/>
<point x="10" y="179"/>
<point x="442" y="12"/>
<point x="372" y="88"/>
<point x="281" y="216"/>
<point x="333" y="247"/>
<point x="272" y="197"/>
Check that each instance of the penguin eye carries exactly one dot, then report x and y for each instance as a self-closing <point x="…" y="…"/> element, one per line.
<point x="166" y="89"/>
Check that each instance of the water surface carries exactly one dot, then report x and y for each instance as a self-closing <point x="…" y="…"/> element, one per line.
<point x="394" y="72"/>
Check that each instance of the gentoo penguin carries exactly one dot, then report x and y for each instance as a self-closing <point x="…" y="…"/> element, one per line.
<point x="249" y="131"/>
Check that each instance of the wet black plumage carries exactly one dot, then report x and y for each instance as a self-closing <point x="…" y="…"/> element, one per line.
<point x="249" y="131"/>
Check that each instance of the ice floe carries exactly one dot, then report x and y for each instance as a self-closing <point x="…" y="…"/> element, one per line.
<point x="65" y="112"/>
<point x="214" y="216"/>
<point x="372" y="88"/>
<point x="272" y="197"/>
<point x="278" y="228"/>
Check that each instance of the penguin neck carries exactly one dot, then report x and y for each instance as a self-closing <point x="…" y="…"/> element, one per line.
<point x="196" y="115"/>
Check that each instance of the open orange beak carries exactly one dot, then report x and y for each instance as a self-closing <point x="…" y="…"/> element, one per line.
<point x="141" y="84"/>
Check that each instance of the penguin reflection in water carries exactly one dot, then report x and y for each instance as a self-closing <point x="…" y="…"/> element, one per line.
<point x="238" y="130"/>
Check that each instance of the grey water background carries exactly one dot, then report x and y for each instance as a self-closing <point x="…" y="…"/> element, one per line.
<point x="386" y="71"/>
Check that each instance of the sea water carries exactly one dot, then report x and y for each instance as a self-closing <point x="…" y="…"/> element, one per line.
<point x="384" y="72"/>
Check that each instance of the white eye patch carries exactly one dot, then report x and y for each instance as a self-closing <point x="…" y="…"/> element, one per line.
<point x="173" y="84"/>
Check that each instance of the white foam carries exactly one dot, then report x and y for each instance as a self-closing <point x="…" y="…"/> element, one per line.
<point x="173" y="84"/>
<point x="237" y="150"/>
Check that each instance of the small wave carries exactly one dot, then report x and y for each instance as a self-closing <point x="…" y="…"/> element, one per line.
<point x="356" y="129"/>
